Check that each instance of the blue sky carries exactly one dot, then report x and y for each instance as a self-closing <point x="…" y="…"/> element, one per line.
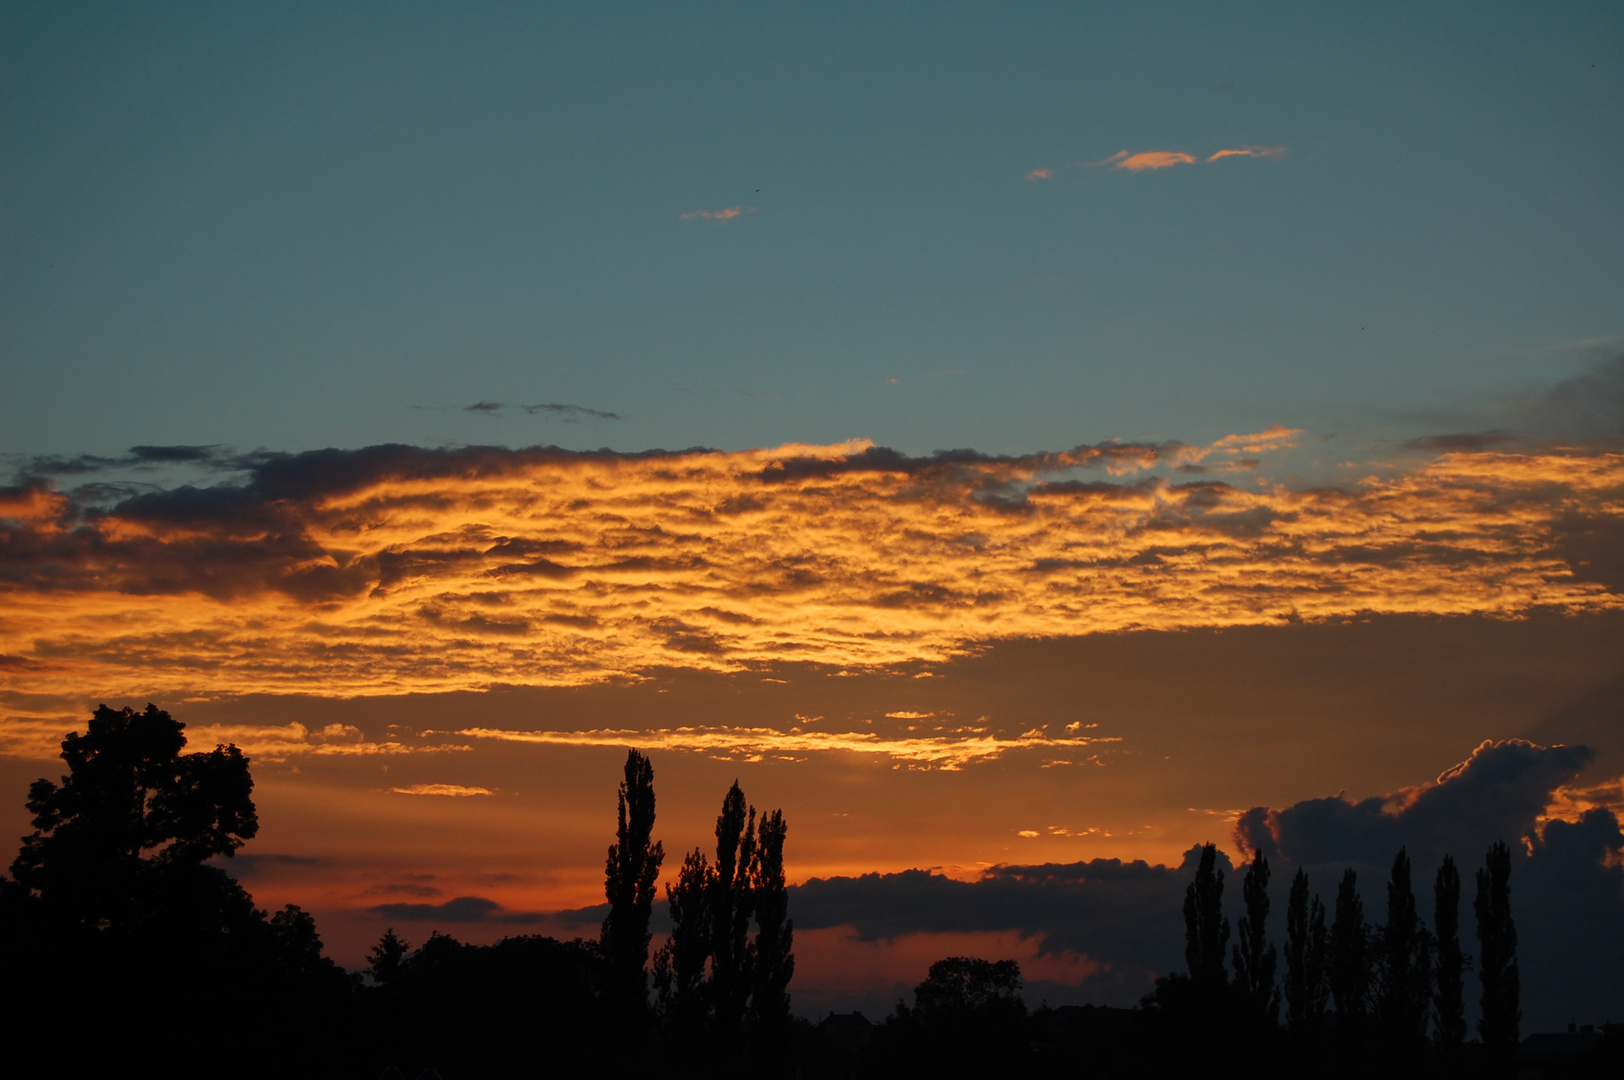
<point x="313" y="225"/>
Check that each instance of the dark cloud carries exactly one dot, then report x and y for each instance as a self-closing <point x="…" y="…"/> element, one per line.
<point x="1124" y="916"/>
<point x="1462" y="442"/>
<point x="260" y="864"/>
<point x="570" y="413"/>
<point x="461" y="909"/>
<point x="1590" y="405"/>
<point x="1496" y="794"/>
<point x="1567" y="887"/>
<point x="1593" y="547"/>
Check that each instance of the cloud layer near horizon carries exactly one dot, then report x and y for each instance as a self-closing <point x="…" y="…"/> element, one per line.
<point x="396" y="569"/>
<point x="1122" y="921"/>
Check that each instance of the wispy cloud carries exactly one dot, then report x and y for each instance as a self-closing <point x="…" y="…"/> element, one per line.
<point x="723" y="215"/>
<point x="455" y="791"/>
<point x="1148" y="160"/>
<point x="1152" y="160"/>
<point x="946" y="752"/>
<point x="565" y="411"/>
<point x="1272" y="152"/>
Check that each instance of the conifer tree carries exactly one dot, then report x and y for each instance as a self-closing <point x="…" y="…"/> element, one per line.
<point x="1497" y="958"/>
<point x="1206" y="931"/>
<point x="630" y="874"/>
<point x="1254" y="956"/>
<point x="386" y="957"/>
<point x="1449" y="1011"/>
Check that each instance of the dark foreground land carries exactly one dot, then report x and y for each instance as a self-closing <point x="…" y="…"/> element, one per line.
<point x="126" y="951"/>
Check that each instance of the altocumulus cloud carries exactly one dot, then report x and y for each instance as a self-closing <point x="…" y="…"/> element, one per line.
<point x="398" y="568"/>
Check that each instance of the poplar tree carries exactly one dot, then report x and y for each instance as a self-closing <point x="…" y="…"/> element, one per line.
<point x="1306" y="987"/>
<point x="1406" y="985"/>
<point x="774" y="957"/>
<point x="1497" y="958"/>
<point x="1350" y="954"/>
<point x="1448" y="1002"/>
<point x="1206" y="931"/>
<point x="730" y="906"/>
<point x="630" y="873"/>
<point x="679" y="965"/>
<point x="1254" y="956"/>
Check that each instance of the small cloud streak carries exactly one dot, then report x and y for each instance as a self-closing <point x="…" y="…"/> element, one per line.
<point x="454" y="791"/>
<point x="1040" y="174"/>
<point x="721" y="216"/>
<point x="551" y="408"/>
<point x="1273" y="153"/>
<point x="1146" y="160"/>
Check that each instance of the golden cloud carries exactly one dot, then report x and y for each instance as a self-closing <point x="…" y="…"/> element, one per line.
<point x="1145" y="160"/>
<point x="395" y="569"/>
<point x="1040" y="174"/>
<point x="455" y="791"/>
<point x="1271" y="152"/>
<point x="945" y="752"/>
<point x="725" y="214"/>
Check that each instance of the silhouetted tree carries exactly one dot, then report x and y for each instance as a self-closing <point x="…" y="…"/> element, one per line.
<point x="774" y="960"/>
<point x="630" y="873"/>
<point x="730" y="907"/>
<point x="1405" y="993"/>
<point x="131" y="806"/>
<point x="1448" y="1002"/>
<point x="385" y="958"/>
<point x="1254" y="956"/>
<point x="1306" y="956"/>
<point x="1206" y="931"/>
<point x="679" y="965"/>
<point x="1497" y="958"/>
<point x="123" y="917"/>
<point x="1350" y="954"/>
<point x="968" y="1019"/>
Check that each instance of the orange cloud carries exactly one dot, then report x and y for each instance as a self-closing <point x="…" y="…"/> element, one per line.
<point x="1040" y="174"/>
<point x="1272" y="152"/>
<point x="393" y="569"/>
<point x="455" y="791"/>
<point x="723" y="215"/>
<point x="946" y="752"/>
<point x="1146" y="160"/>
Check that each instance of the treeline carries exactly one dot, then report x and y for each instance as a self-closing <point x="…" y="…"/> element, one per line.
<point x="1347" y="999"/>
<point x="127" y="953"/>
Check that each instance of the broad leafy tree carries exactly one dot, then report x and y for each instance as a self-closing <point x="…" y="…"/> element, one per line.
<point x="132" y="805"/>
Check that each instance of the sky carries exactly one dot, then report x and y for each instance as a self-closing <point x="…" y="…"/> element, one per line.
<point x="1007" y="440"/>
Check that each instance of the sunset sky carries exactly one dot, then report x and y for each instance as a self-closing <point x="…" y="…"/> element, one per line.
<point x="1007" y="440"/>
